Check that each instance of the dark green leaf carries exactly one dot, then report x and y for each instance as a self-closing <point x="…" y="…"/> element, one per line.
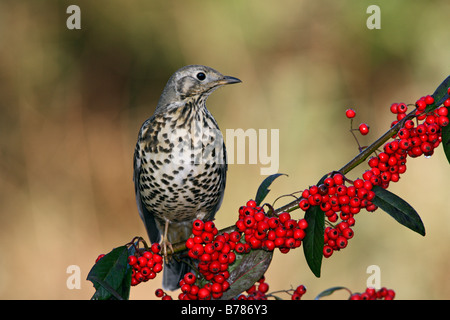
<point x="441" y="94"/>
<point x="246" y="270"/>
<point x="330" y="291"/>
<point x="263" y="188"/>
<point x="446" y="141"/>
<point x="314" y="238"/>
<point x="399" y="209"/>
<point x="110" y="275"/>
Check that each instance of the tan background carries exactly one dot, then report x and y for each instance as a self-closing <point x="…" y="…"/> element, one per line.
<point x="72" y="102"/>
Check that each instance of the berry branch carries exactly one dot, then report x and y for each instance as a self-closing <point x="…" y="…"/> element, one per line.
<point x="232" y="260"/>
<point x="357" y="160"/>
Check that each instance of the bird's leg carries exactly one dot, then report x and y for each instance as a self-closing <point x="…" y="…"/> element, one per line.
<point x="164" y="242"/>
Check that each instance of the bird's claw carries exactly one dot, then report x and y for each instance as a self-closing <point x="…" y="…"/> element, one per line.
<point x="164" y="244"/>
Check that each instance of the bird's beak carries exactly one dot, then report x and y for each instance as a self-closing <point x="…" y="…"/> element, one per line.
<point x="228" y="80"/>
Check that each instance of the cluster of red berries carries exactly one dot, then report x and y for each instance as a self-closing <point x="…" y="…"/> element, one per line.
<point x="373" y="294"/>
<point x="337" y="200"/>
<point x="214" y="252"/>
<point x="145" y="264"/>
<point x="211" y="290"/>
<point x="336" y="238"/>
<point x="413" y="139"/>
<point x="191" y="291"/>
<point x="262" y="231"/>
<point x="259" y="292"/>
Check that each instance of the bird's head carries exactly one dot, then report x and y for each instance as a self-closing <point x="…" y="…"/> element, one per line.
<point x="193" y="81"/>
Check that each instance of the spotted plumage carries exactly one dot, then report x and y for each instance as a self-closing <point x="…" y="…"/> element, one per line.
<point x="180" y="162"/>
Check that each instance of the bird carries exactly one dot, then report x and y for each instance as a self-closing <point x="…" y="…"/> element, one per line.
<point x="180" y="163"/>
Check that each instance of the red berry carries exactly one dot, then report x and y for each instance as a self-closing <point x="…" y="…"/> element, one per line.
<point x="209" y="226"/>
<point x="251" y="203"/>
<point x="262" y="228"/>
<point x="299" y="234"/>
<point x="190" y="243"/>
<point x="350" y="113"/>
<point x="139" y="276"/>
<point x="302" y="224"/>
<point x="363" y="129"/>
<point x="443" y="121"/>
<point x="304" y="204"/>
<point x="447" y="103"/>
<point x="216" y="287"/>
<point x="327" y="251"/>
<point x="429" y="99"/>
<point x="155" y="248"/>
<point x="338" y="179"/>
<point x="402" y="108"/>
<point x="290" y="224"/>
<point x="421" y="105"/>
<point x="249" y="222"/>
<point x="235" y="236"/>
<point x="284" y="217"/>
<point x="240" y="247"/>
<point x="145" y="271"/>
<point x="134" y="281"/>
<point x="132" y="260"/>
<point x="214" y="266"/>
<point x="157" y="267"/>
<point x="348" y="233"/>
<point x="185" y="288"/>
<point x="259" y="216"/>
<point x="207" y="237"/>
<point x="204" y="294"/>
<point x="333" y="233"/>
<point x="198" y="225"/>
<point x="189" y="278"/>
<point x="341" y="242"/>
<point x="269" y="245"/>
<point x="263" y="287"/>
<point x="159" y="293"/>
<point x="147" y="255"/>
<point x="142" y="261"/>
<point x="393" y="108"/>
<point x="273" y="222"/>
<point x="157" y="258"/>
<point x="301" y="289"/>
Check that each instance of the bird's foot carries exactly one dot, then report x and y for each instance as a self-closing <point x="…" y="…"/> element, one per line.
<point x="164" y="245"/>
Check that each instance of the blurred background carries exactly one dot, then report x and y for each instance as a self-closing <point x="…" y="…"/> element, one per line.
<point x="72" y="102"/>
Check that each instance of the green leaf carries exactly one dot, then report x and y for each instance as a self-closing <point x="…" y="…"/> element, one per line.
<point x="399" y="209"/>
<point x="446" y="141"/>
<point x="246" y="270"/>
<point x="314" y="238"/>
<point x="441" y="94"/>
<point x="111" y="275"/>
<point x="330" y="291"/>
<point x="263" y="190"/>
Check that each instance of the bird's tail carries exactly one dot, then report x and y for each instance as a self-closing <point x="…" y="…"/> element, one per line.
<point x="179" y="264"/>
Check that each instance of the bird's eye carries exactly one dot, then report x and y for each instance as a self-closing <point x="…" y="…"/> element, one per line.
<point x="201" y="76"/>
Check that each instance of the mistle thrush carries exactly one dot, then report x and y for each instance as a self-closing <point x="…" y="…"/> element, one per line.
<point x="180" y="162"/>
